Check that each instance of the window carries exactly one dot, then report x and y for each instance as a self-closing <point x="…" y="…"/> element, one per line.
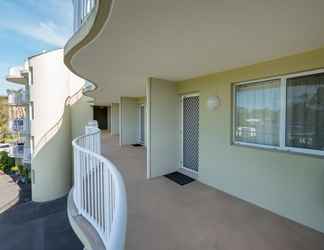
<point x="285" y="113"/>
<point x="305" y="112"/>
<point x="258" y="113"/>
<point x="31" y="76"/>
<point x="32" y="143"/>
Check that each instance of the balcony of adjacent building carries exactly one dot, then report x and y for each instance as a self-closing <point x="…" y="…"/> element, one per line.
<point x="27" y="155"/>
<point x="16" y="150"/>
<point x="18" y="98"/>
<point x="19" y="125"/>
<point x="18" y="74"/>
<point x="21" y="151"/>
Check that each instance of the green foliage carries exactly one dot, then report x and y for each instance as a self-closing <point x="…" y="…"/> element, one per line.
<point x="3" y="121"/>
<point x="6" y="162"/>
<point x="22" y="171"/>
<point x="14" y="169"/>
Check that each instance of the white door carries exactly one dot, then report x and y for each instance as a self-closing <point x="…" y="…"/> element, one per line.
<point x="190" y="132"/>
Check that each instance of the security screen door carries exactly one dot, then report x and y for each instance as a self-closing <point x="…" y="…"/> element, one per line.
<point x="190" y="132"/>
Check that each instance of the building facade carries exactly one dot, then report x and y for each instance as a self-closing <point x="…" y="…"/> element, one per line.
<point x="50" y="116"/>
<point x="232" y="99"/>
<point x="252" y="129"/>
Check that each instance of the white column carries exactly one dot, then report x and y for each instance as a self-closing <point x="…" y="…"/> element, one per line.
<point x="163" y="123"/>
<point x="115" y="119"/>
<point x="129" y="120"/>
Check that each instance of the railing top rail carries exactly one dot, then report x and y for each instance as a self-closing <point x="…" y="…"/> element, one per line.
<point x="112" y="167"/>
<point x="82" y="9"/>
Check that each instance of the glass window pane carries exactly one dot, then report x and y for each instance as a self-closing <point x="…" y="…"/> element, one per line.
<point x="257" y="113"/>
<point x="305" y="112"/>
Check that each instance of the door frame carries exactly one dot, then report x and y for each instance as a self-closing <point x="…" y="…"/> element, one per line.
<point x="97" y="108"/>
<point x="181" y="130"/>
<point x="140" y="106"/>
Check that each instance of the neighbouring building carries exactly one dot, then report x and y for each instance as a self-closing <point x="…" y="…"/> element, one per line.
<point x="46" y="116"/>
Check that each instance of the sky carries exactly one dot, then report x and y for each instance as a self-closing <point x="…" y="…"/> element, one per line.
<point x="28" y="27"/>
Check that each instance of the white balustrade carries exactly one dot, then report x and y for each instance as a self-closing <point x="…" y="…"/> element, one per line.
<point x="17" y="97"/>
<point x="19" y="125"/>
<point x="99" y="192"/>
<point x="82" y="9"/>
<point x="17" y="150"/>
<point x="27" y="155"/>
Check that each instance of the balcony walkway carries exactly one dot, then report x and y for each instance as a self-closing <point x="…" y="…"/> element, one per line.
<point x="165" y="216"/>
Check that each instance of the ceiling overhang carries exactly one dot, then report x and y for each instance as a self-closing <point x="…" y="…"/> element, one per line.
<point x="177" y="40"/>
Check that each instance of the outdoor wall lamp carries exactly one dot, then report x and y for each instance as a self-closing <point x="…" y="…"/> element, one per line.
<point x="213" y="102"/>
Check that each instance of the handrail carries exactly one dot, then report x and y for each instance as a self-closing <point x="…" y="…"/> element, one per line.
<point x="99" y="191"/>
<point x="53" y="129"/>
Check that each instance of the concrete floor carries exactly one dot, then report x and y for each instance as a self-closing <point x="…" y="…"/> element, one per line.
<point x="165" y="216"/>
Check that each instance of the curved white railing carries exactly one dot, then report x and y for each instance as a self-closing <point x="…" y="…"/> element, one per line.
<point x="99" y="191"/>
<point x="82" y="9"/>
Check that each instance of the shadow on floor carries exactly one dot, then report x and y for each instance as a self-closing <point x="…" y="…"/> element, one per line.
<point x="38" y="226"/>
<point x="24" y="193"/>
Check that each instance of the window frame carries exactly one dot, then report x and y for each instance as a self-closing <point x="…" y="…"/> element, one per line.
<point x="282" y="124"/>
<point x="31" y="110"/>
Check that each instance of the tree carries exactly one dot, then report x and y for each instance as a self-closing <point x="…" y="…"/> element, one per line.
<point x="3" y="120"/>
<point x="6" y="162"/>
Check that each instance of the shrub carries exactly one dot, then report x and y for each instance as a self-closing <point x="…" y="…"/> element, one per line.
<point x="14" y="169"/>
<point x="6" y="162"/>
<point x="21" y="169"/>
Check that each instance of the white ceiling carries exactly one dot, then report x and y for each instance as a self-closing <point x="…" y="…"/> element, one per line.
<point x="181" y="39"/>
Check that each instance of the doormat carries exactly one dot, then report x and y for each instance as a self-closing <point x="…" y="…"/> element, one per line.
<point x="137" y="145"/>
<point x="179" y="178"/>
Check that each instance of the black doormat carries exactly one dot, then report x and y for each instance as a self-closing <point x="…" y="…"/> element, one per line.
<point x="137" y="145"/>
<point x="179" y="178"/>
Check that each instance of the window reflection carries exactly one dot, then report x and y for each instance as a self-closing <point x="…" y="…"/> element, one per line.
<point x="258" y="113"/>
<point x="305" y="112"/>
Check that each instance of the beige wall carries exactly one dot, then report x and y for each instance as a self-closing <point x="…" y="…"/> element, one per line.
<point x="288" y="184"/>
<point x="81" y="114"/>
<point x="163" y="127"/>
<point x="52" y="166"/>
<point x="129" y="120"/>
<point x="109" y="118"/>
<point x="56" y="122"/>
<point x="115" y="118"/>
<point x="49" y="91"/>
